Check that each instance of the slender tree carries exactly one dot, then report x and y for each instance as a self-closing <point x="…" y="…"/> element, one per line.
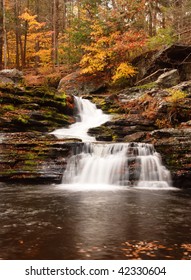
<point x="1" y="33"/>
<point x="17" y="31"/>
<point x="5" y="36"/>
<point x="55" y="21"/>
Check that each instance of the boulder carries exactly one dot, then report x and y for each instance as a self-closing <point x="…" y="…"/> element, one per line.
<point x="186" y="124"/>
<point x="4" y="81"/>
<point x="10" y="76"/>
<point x="168" y="79"/>
<point x="78" y="84"/>
<point x="154" y="63"/>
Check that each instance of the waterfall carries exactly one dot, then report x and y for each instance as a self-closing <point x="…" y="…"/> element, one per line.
<point x="87" y="116"/>
<point x="114" y="164"/>
<point x="122" y="164"/>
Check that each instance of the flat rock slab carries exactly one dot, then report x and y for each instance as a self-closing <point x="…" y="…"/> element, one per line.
<point x="33" y="157"/>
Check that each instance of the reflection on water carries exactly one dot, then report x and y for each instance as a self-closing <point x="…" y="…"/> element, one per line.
<point x="48" y="222"/>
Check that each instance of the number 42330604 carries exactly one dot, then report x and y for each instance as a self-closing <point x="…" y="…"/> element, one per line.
<point x="142" y="270"/>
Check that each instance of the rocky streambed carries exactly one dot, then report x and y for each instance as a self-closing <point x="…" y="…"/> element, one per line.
<point x="149" y="116"/>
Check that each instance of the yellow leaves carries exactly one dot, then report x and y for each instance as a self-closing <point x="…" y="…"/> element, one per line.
<point x="33" y="24"/>
<point x="97" y="57"/>
<point x="97" y="63"/>
<point x="44" y="55"/>
<point x="175" y="95"/>
<point x="97" y="30"/>
<point x="124" y="71"/>
<point x="27" y="17"/>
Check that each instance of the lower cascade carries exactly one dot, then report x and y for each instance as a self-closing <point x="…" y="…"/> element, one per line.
<point x="122" y="164"/>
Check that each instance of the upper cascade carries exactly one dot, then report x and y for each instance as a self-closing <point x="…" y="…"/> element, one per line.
<point x="87" y="116"/>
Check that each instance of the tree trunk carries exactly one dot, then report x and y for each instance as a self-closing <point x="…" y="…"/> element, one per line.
<point x="63" y="21"/>
<point x="37" y="44"/>
<point x="55" y="32"/>
<point x="17" y="55"/>
<point x="5" y="36"/>
<point x="25" y="39"/>
<point x="1" y="33"/>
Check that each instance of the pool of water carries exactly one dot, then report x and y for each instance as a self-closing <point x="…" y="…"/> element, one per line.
<point x="54" y="222"/>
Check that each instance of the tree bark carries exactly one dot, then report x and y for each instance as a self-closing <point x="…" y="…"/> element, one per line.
<point x="1" y="33"/>
<point x="55" y="32"/>
<point x="17" y="54"/>
<point x="37" y="44"/>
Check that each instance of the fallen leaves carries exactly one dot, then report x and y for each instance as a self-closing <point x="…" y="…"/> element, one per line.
<point x="136" y="250"/>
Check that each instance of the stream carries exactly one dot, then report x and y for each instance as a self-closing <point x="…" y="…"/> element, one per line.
<point x="52" y="222"/>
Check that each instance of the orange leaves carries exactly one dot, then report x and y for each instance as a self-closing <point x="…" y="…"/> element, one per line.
<point x="129" y="40"/>
<point x="26" y="16"/>
<point x="110" y="51"/>
<point x="136" y="250"/>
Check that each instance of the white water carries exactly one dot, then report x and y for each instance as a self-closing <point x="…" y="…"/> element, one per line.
<point x="119" y="164"/>
<point x="104" y="166"/>
<point x="88" y="116"/>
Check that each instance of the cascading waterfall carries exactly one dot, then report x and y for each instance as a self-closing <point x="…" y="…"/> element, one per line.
<point x="122" y="164"/>
<point x="119" y="164"/>
<point x="87" y="116"/>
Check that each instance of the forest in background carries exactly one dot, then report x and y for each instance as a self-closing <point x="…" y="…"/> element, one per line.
<point x="96" y="35"/>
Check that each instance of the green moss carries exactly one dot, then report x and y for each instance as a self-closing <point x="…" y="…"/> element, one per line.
<point x="8" y="107"/>
<point x="115" y="110"/>
<point x="23" y="119"/>
<point x="30" y="156"/>
<point x="30" y="162"/>
<point x="114" y="138"/>
<point x="61" y="96"/>
<point x="171" y="159"/>
<point x="146" y="86"/>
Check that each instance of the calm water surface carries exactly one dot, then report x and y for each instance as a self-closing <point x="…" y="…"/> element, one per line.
<point x="49" y="222"/>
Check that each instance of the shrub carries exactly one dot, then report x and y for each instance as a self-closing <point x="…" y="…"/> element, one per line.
<point x="123" y="72"/>
<point x="175" y="95"/>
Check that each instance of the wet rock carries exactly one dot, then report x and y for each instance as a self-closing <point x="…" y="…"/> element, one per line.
<point x="136" y="137"/>
<point x="33" y="157"/>
<point x="122" y="128"/>
<point x="34" y="109"/>
<point x="134" y="120"/>
<point x="107" y="138"/>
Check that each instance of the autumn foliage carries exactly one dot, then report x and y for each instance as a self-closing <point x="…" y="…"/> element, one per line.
<point x="111" y="51"/>
<point x="99" y="36"/>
